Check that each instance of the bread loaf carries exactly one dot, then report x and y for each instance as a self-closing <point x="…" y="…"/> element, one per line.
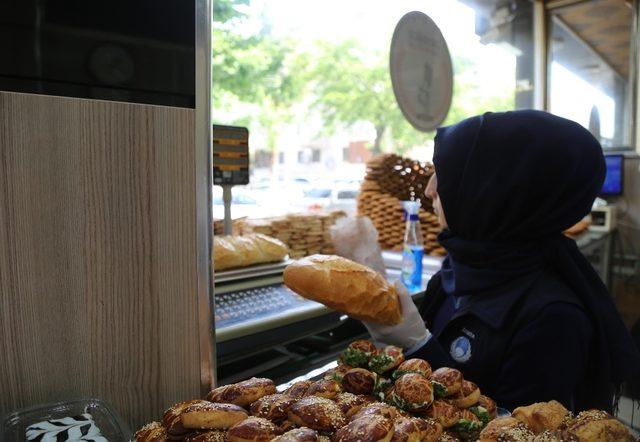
<point x="345" y="286"/>
<point x="242" y="251"/>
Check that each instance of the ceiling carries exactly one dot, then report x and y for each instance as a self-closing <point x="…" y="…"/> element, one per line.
<point x="605" y="26"/>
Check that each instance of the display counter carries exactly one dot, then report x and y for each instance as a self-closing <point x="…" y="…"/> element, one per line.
<point x="265" y="329"/>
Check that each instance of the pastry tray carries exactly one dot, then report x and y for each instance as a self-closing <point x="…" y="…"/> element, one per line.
<point x="112" y="427"/>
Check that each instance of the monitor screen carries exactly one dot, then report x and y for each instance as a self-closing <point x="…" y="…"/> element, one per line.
<point x="613" y="180"/>
<point x="140" y="51"/>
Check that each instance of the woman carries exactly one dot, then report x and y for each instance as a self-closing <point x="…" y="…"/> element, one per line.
<point x="516" y="307"/>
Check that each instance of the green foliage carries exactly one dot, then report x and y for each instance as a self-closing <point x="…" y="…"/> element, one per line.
<point x="351" y="85"/>
<point x="271" y="79"/>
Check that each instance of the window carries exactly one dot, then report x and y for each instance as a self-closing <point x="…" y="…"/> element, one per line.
<point x="321" y="95"/>
<point x="589" y="69"/>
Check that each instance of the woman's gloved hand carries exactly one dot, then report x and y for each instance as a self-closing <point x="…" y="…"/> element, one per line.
<point x="410" y="333"/>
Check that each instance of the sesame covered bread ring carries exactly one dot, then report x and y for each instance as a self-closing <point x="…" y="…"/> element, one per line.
<point x="298" y="435"/>
<point x="366" y="429"/>
<point x="152" y="432"/>
<point x="253" y="429"/>
<point x="274" y="407"/>
<point x="326" y="388"/>
<point x="350" y="403"/>
<point x="243" y="393"/>
<point x="172" y="417"/>
<point x="298" y="389"/>
<point x="377" y="409"/>
<point x="212" y="416"/>
<point x="207" y="436"/>
<point x="317" y="413"/>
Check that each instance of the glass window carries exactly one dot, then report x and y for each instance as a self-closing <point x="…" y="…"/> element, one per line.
<point x="589" y="69"/>
<point x="310" y="80"/>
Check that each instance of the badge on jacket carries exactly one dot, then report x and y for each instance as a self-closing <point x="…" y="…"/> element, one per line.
<point x="460" y="349"/>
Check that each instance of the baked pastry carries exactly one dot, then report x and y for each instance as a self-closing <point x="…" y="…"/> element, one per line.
<point x="274" y="407"/>
<point x="172" y="417"/>
<point x="337" y="373"/>
<point x="598" y="426"/>
<point x="554" y="436"/>
<point x="468" y="426"/>
<point x="498" y="426"/>
<point x="242" y="251"/>
<point x="327" y="388"/>
<point x="298" y="435"/>
<point x="519" y="433"/>
<point x="412" y="392"/>
<point x="467" y="396"/>
<point x="414" y="365"/>
<point x="358" y="353"/>
<point x="541" y="416"/>
<point x="210" y="416"/>
<point x="383" y="387"/>
<point x="253" y="429"/>
<point x="446" y="381"/>
<point x="317" y="413"/>
<point x="386" y="360"/>
<point x="350" y="403"/>
<point x="298" y="389"/>
<point x="359" y="381"/>
<point x="448" y="437"/>
<point x="345" y="286"/>
<point x="486" y="409"/>
<point x="152" y="432"/>
<point x="243" y="393"/>
<point x="444" y="413"/>
<point x="366" y="429"/>
<point x="286" y="425"/>
<point x="377" y="409"/>
<point x="413" y="429"/>
<point x="207" y="436"/>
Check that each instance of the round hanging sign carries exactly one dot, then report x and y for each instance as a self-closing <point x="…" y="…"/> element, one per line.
<point x="421" y="71"/>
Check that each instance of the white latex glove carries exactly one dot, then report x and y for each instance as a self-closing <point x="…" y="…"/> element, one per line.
<point x="410" y="333"/>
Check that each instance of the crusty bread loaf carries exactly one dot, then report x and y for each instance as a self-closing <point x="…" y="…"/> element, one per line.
<point x="242" y="251"/>
<point x="345" y="286"/>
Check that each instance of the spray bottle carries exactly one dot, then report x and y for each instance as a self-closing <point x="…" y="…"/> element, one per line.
<point x="413" y="249"/>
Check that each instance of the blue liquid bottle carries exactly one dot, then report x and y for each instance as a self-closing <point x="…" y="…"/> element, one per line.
<point x="413" y="249"/>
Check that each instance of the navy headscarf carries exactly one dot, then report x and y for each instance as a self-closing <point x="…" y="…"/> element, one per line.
<point x="510" y="184"/>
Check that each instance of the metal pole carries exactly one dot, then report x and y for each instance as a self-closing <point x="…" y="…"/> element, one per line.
<point x="226" y="199"/>
<point x="204" y="217"/>
<point x="540" y="56"/>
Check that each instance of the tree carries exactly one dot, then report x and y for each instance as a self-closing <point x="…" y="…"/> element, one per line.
<point x="350" y="85"/>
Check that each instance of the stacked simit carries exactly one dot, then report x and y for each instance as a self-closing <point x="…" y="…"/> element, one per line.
<point x="389" y="180"/>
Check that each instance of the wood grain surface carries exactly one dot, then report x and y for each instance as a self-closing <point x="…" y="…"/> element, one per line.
<point x="97" y="254"/>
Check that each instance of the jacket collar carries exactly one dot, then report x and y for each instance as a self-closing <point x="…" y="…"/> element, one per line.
<point x="494" y="307"/>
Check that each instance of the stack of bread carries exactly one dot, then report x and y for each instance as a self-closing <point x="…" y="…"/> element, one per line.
<point x="389" y="180"/>
<point x="304" y="234"/>
<point x="372" y="395"/>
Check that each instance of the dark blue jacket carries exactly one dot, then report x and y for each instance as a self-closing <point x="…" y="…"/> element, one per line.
<point x="519" y="349"/>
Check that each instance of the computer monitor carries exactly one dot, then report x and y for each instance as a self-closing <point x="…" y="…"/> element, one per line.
<point x="613" y="182"/>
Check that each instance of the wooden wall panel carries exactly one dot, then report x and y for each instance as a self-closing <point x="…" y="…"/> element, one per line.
<point x="97" y="254"/>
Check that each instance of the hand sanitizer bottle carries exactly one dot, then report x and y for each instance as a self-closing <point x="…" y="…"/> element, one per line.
<point x="413" y="249"/>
